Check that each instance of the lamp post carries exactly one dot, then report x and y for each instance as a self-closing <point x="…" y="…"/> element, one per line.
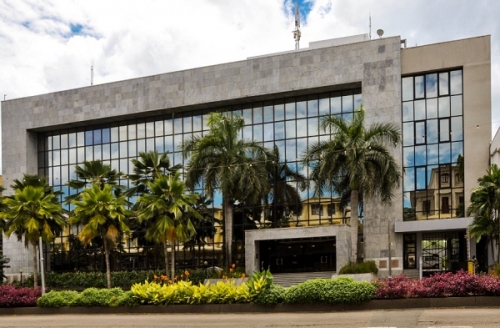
<point x="21" y="273"/>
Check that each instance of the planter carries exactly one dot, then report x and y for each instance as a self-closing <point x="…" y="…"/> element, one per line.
<point x="357" y="276"/>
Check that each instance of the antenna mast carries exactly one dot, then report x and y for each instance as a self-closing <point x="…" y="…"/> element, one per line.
<point x="370" y="24"/>
<point x="296" y="33"/>
<point x="92" y="75"/>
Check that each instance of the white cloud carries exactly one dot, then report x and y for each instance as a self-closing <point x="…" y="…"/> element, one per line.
<point x="126" y="39"/>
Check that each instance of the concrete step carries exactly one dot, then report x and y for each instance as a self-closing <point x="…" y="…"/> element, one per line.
<point x="412" y="273"/>
<point x="290" y="279"/>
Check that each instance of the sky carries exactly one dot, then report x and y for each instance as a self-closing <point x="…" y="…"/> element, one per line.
<point x="51" y="45"/>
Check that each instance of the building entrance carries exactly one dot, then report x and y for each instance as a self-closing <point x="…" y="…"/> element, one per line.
<point x="298" y="255"/>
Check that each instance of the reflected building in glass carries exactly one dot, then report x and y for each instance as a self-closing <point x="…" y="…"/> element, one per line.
<point x="438" y="94"/>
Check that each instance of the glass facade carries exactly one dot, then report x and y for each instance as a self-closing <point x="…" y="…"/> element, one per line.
<point x="291" y="124"/>
<point x="433" y="149"/>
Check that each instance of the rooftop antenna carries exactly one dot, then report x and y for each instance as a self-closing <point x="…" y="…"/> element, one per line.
<point x="370" y="24"/>
<point x="92" y="74"/>
<point x="296" y="33"/>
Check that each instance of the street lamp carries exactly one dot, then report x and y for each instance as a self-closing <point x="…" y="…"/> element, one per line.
<point x="21" y="273"/>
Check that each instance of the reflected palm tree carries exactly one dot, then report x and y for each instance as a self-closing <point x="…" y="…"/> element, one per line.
<point x="284" y="197"/>
<point x="355" y="161"/>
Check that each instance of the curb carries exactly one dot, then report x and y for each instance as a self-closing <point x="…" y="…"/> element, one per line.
<point x="393" y="304"/>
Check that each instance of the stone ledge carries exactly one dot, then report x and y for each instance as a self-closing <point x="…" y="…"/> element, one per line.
<point x="411" y="303"/>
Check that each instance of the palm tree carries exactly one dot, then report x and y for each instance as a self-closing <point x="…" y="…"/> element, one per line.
<point x="101" y="214"/>
<point x="149" y="166"/>
<point x="168" y="211"/>
<point x="355" y="160"/>
<point x="224" y="162"/>
<point x="94" y="173"/>
<point x="285" y="197"/>
<point x="33" y="213"/>
<point x="485" y="207"/>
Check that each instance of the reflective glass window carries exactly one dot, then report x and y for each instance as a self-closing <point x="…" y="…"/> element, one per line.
<point x="408" y="156"/>
<point x="444" y="130"/>
<point x="408" y="134"/>
<point x="279" y="112"/>
<point x="456" y="105"/>
<point x="324" y="106"/>
<point x="432" y="110"/>
<point x="407" y="84"/>
<point x="72" y="140"/>
<point x="290" y="110"/>
<point x="140" y="130"/>
<point x="347" y="104"/>
<point x="444" y="106"/>
<point x="257" y="114"/>
<point x="302" y="128"/>
<point x="301" y="108"/>
<point x="336" y="105"/>
<point x="432" y="131"/>
<point x="150" y="129"/>
<point x="114" y="134"/>
<point x="407" y="111"/>
<point x="279" y="130"/>
<point x="312" y="107"/>
<point x="268" y="113"/>
<point x="456" y="82"/>
<point x="419" y="87"/>
<point x="419" y="108"/>
<point x="420" y="155"/>
<point x="431" y="85"/>
<point x="290" y="129"/>
<point x="64" y="141"/>
<point x="443" y="84"/>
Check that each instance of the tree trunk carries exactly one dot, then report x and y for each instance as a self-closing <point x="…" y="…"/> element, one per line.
<point x="35" y="265"/>
<point x="492" y="244"/>
<point x="106" y="257"/>
<point x="354" y="226"/>
<point x="228" y="229"/>
<point x="165" y="253"/>
<point x="172" y="268"/>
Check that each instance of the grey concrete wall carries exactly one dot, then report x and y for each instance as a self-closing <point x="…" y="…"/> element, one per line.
<point x="373" y="64"/>
<point x="253" y="237"/>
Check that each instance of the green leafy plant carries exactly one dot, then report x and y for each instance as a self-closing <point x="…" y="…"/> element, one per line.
<point x="333" y="291"/>
<point x="98" y="297"/>
<point x="260" y="282"/>
<point x="58" y="298"/>
<point x="364" y="267"/>
<point x="272" y="296"/>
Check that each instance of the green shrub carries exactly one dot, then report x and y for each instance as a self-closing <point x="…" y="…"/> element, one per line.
<point x="363" y="267"/>
<point x="98" y="297"/>
<point x="272" y="296"/>
<point x="333" y="291"/>
<point x="57" y="298"/>
<point x="126" y="299"/>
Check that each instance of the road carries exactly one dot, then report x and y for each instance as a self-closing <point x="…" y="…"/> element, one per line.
<point x="463" y="318"/>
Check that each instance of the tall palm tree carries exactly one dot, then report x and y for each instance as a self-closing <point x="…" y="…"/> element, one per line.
<point x="485" y="207"/>
<point x="356" y="160"/>
<point x="168" y="209"/>
<point x="149" y="166"/>
<point x="285" y="197"/>
<point x="32" y="213"/>
<point x="94" y="173"/>
<point x="102" y="214"/>
<point x="224" y="162"/>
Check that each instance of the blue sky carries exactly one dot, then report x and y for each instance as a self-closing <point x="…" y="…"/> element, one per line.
<point x="50" y="45"/>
